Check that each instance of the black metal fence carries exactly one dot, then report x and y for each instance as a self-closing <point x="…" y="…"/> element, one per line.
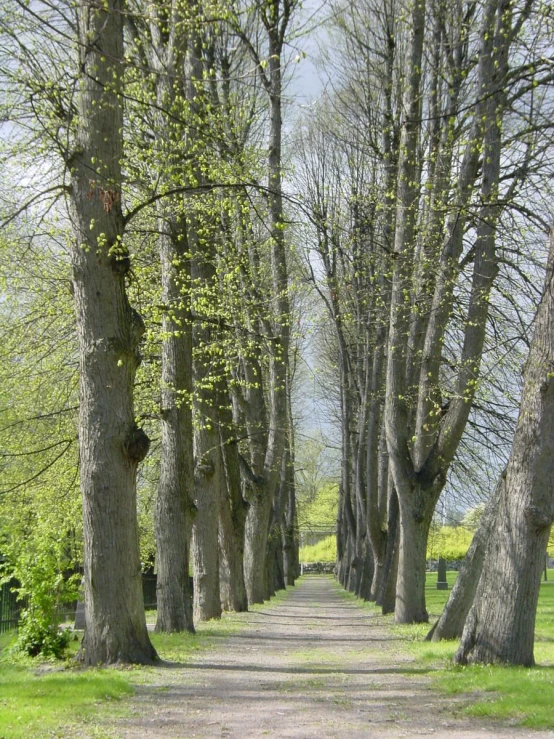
<point x="9" y="607"/>
<point x="149" y="590"/>
<point x="317" y="568"/>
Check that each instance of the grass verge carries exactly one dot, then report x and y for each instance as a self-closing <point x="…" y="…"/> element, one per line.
<point x="41" y="699"/>
<point x="48" y="702"/>
<point x="518" y="695"/>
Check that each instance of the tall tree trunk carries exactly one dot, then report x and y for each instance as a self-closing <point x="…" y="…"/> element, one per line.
<point x="501" y="624"/>
<point x="378" y="528"/>
<point x="366" y="574"/>
<point x="451" y="622"/>
<point x="386" y="595"/>
<point x="255" y="543"/>
<point x="163" y="51"/>
<point x="256" y="486"/>
<point x="209" y="483"/>
<point x="388" y="599"/>
<point x="409" y="601"/>
<point x="340" y="563"/>
<point x="232" y="517"/>
<point x="109" y="332"/>
<point x="375" y="510"/>
<point x="209" y="475"/>
<point x="289" y="521"/>
<point x="231" y="576"/>
<point x="420" y="461"/>
<point x="275" y="574"/>
<point x="378" y="461"/>
<point x="276" y="526"/>
<point x="415" y="521"/>
<point x="275" y="23"/>
<point x="174" y="504"/>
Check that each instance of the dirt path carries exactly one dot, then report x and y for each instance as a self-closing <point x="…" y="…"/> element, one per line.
<point x="315" y="665"/>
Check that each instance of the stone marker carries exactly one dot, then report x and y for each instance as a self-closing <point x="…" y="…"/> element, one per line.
<point x="441" y="575"/>
<point x="80" y="615"/>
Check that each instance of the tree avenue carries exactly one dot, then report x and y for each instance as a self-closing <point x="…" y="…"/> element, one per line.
<point x="204" y="224"/>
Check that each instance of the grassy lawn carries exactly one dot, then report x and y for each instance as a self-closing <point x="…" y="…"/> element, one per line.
<point x="522" y="696"/>
<point x="47" y="703"/>
<point x="41" y="699"/>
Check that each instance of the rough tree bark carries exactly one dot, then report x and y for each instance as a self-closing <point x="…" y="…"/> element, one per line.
<point x="209" y="482"/>
<point x="209" y="474"/>
<point x="501" y="624"/>
<point x="174" y="504"/>
<point x="451" y="622"/>
<point x="109" y="332"/>
<point x="255" y="543"/>
<point x="386" y="596"/>
<point x="232" y="516"/>
<point x="289" y="524"/>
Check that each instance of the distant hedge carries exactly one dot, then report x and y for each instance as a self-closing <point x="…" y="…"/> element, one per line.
<point x="450" y="542"/>
<point x="324" y="551"/>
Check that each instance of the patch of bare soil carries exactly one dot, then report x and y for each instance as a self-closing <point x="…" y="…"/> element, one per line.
<point x="314" y="665"/>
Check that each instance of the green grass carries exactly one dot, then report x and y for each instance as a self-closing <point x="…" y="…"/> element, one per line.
<point x="52" y="699"/>
<point x="521" y="696"/>
<point x="47" y="699"/>
<point x="47" y="703"/>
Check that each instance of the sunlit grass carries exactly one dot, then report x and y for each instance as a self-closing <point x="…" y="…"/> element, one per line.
<point x="41" y="699"/>
<point x="47" y="703"/>
<point x="522" y="696"/>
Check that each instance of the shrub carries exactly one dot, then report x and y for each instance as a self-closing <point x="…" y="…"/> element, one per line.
<point x="37" y="636"/>
<point x="324" y="551"/>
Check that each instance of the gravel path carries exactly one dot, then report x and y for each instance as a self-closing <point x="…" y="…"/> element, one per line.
<point x="314" y="665"/>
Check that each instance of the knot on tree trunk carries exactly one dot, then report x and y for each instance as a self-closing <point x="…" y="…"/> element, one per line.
<point x="418" y="514"/>
<point x="137" y="444"/>
<point x="538" y="519"/>
<point x="138" y="327"/>
<point x="120" y="263"/>
<point x="205" y="469"/>
<point x="239" y="512"/>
